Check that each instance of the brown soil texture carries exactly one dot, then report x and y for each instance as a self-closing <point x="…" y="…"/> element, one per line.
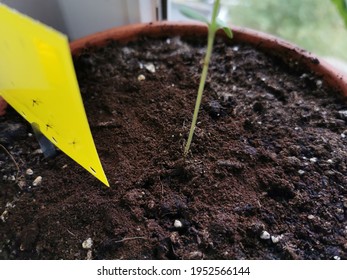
<point x="266" y="177"/>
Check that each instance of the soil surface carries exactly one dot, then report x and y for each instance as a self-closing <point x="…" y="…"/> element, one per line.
<point x="266" y="177"/>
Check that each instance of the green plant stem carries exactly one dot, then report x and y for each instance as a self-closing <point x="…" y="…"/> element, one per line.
<point x="212" y="28"/>
<point x="341" y="6"/>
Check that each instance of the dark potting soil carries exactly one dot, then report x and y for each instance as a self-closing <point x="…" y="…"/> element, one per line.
<point x="266" y="177"/>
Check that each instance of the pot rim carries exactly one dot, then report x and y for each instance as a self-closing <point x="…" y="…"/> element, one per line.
<point x="266" y="42"/>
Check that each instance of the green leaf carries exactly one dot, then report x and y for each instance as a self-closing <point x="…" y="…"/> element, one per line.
<point x="222" y="25"/>
<point x="192" y="14"/>
<point x="341" y="6"/>
<point x="228" y="32"/>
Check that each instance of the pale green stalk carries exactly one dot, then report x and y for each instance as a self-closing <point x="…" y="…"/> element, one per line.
<point x="212" y="28"/>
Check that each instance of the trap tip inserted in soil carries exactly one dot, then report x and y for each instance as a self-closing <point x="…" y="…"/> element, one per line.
<point x="40" y="83"/>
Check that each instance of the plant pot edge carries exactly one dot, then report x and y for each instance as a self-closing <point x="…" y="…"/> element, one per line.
<point x="266" y="42"/>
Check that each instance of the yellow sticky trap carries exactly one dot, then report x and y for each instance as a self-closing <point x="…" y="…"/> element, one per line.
<point x="38" y="80"/>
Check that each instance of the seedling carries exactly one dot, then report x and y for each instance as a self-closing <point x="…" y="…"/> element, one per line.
<point x="213" y="27"/>
<point x="341" y="6"/>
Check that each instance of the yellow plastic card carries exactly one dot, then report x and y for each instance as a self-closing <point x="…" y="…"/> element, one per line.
<point x="38" y="80"/>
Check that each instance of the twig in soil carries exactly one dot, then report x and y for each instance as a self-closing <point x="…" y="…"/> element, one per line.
<point x="259" y="204"/>
<point x="130" y="238"/>
<point x="71" y="233"/>
<point x="162" y="189"/>
<point x="12" y="158"/>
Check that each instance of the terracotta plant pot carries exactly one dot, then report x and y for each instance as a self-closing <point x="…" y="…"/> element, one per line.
<point x="253" y="188"/>
<point x="268" y="43"/>
<point x="264" y="41"/>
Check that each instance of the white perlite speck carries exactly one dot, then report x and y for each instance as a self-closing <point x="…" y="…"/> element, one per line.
<point x="310" y="217"/>
<point x="89" y="255"/>
<point x="265" y="235"/>
<point x="37" y="181"/>
<point x="29" y="172"/>
<point x="141" y="77"/>
<point x="37" y="151"/>
<point x="301" y="172"/>
<point x="150" y="67"/>
<point x="313" y="159"/>
<point x="276" y="239"/>
<point x="87" y="244"/>
<point x="178" y="224"/>
<point x="343" y="113"/>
